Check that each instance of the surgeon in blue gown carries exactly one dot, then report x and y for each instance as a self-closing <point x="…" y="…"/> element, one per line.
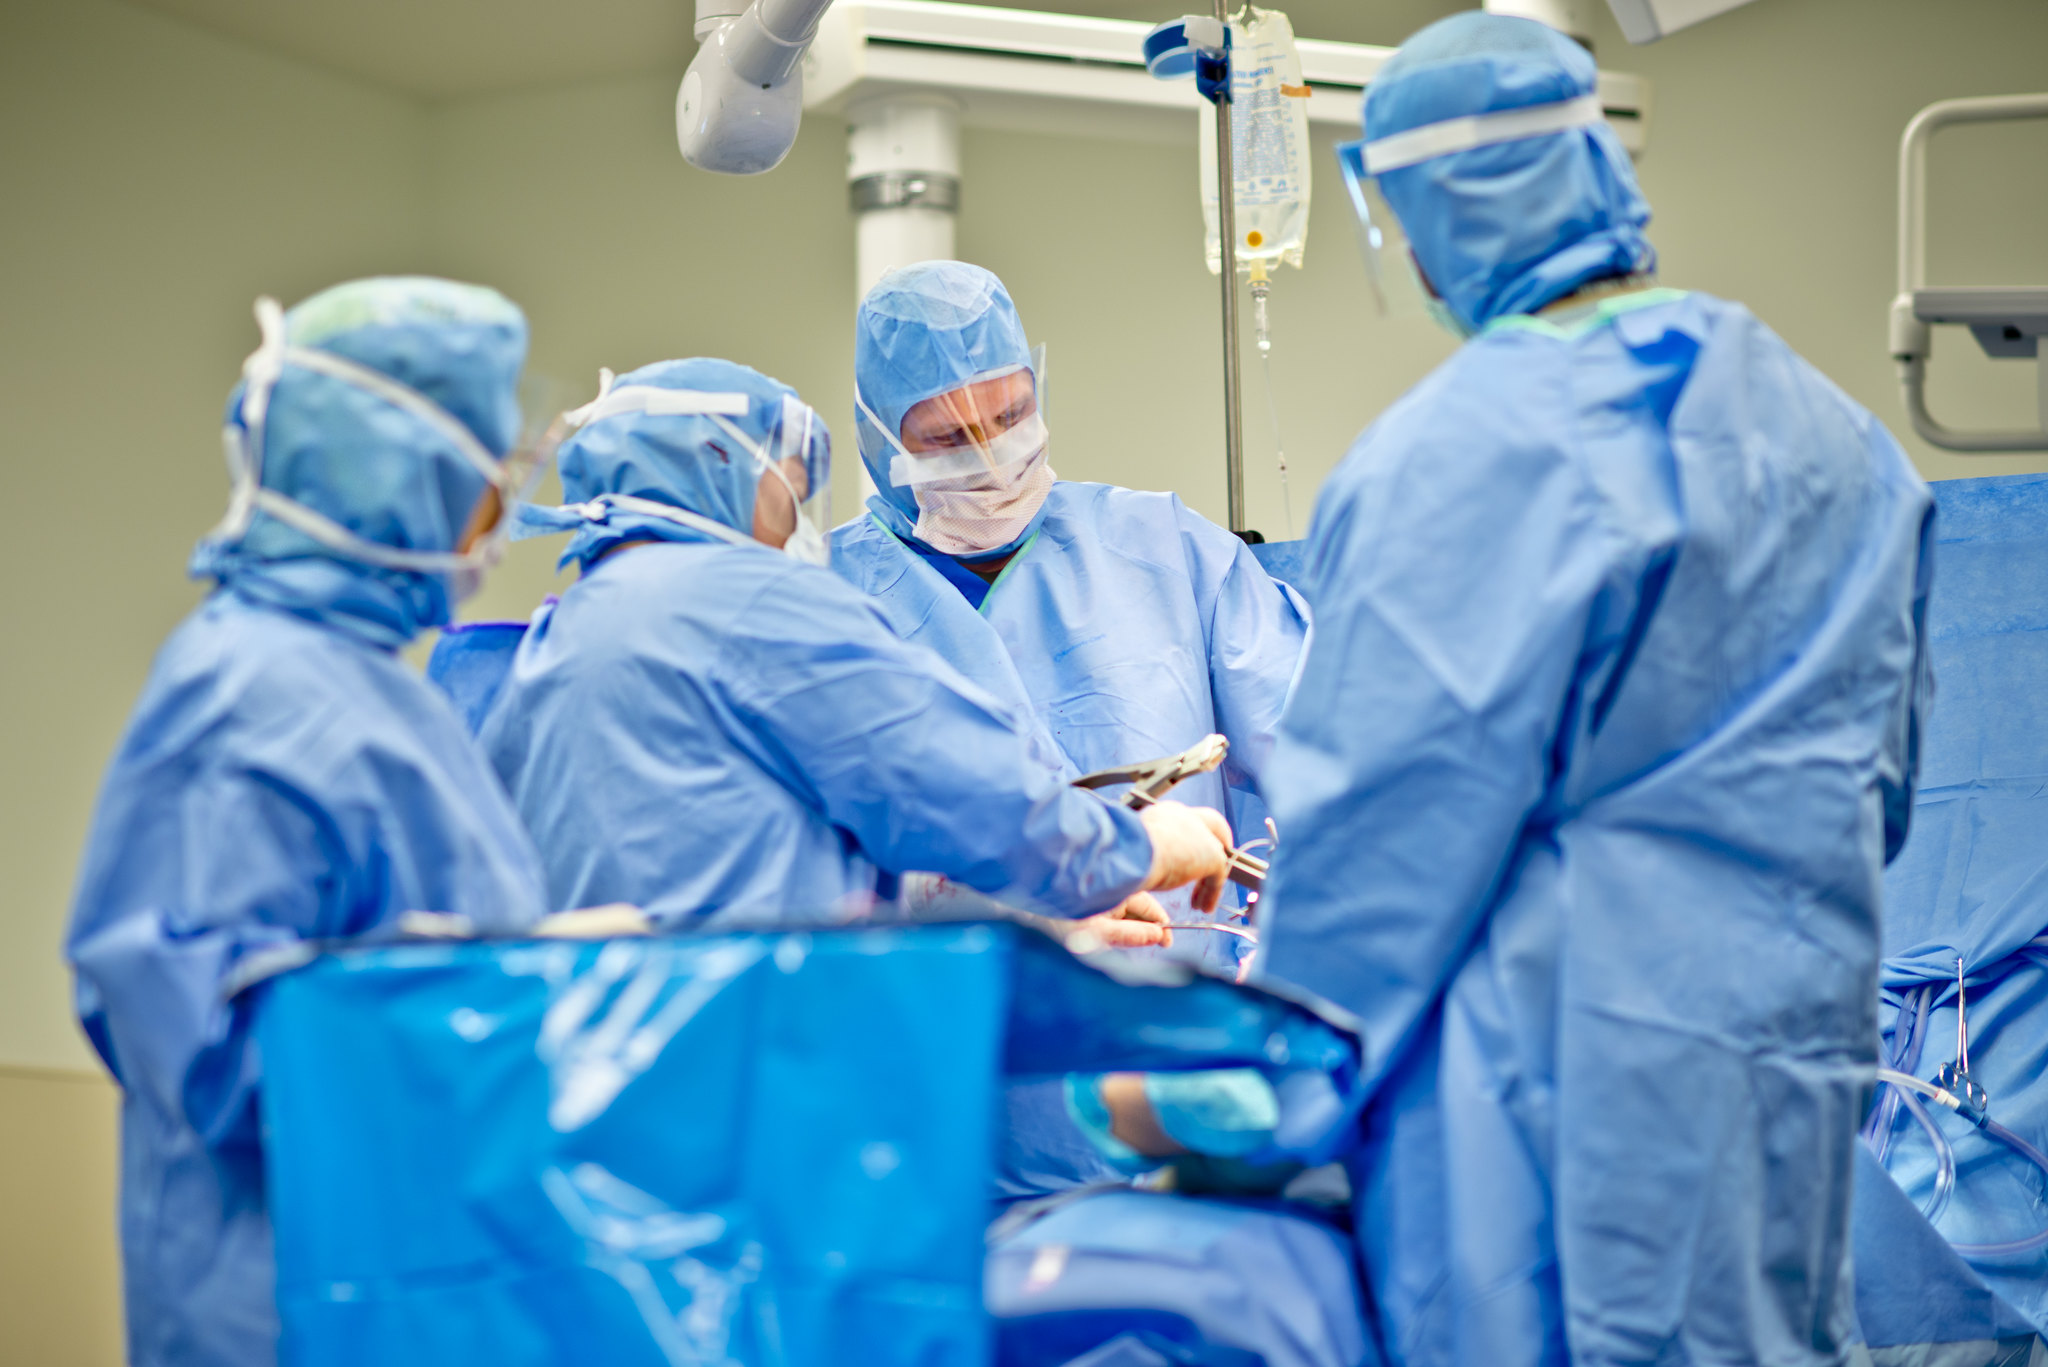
<point x="1127" y="625"/>
<point x="712" y="727"/>
<point x="1605" y="737"/>
<point x="284" y="775"/>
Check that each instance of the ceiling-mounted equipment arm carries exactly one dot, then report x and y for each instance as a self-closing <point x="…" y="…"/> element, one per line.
<point x="2007" y="322"/>
<point x="742" y="98"/>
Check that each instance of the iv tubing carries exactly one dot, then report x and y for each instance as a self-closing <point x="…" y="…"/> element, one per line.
<point x="1909" y="1033"/>
<point x="2032" y="1242"/>
<point x="1945" y="1174"/>
<point x="1944" y="1156"/>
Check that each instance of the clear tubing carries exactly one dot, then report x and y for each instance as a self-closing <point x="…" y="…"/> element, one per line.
<point x="2016" y="1246"/>
<point x="1918" y="1042"/>
<point x="1915" y="1043"/>
<point x="1279" y="450"/>
<point x="1944" y="1156"/>
<point x="1945" y="1174"/>
<point x="1909" y="1034"/>
<point x="1913" y="1084"/>
<point x="1262" y="288"/>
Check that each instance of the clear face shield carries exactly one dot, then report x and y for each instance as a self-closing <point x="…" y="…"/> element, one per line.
<point x="481" y="543"/>
<point x="793" y="502"/>
<point x="1371" y="237"/>
<point x="974" y="437"/>
<point x="792" y="466"/>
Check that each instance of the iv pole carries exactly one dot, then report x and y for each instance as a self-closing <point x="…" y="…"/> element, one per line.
<point x="1226" y="231"/>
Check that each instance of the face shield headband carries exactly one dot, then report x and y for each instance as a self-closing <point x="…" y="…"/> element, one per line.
<point x="511" y="478"/>
<point x="795" y="437"/>
<point x="1361" y="162"/>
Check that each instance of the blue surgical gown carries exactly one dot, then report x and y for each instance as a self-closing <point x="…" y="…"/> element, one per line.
<point x="280" y="780"/>
<point x="1129" y="626"/>
<point x="719" y="731"/>
<point x="1605" y="737"/>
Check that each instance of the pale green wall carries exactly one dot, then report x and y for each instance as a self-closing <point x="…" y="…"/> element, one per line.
<point x="574" y="202"/>
<point x="153" y="180"/>
<point x="1773" y="171"/>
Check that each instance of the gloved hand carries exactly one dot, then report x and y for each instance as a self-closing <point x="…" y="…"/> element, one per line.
<point x="1189" y="845"/>
<point x="1214" y="1127"/>
<point x="1131" y="1117"/>
<point x="1134" y="923"/>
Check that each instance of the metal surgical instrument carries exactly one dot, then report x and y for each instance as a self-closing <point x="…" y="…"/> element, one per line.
<point x="1154" y="779"/>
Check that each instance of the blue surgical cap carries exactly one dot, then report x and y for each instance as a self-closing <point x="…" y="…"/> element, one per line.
<point x="1511" y="226"/>
<point x="683" y="460"/>
<point x="922" y="331"/>
<point x="379" y="470"/>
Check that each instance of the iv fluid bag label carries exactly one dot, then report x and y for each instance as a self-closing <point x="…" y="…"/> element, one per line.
<point x="1268" y="145"/>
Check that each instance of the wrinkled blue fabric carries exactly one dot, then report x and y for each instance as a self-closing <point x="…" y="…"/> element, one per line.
<point x="955" y="572"/>
<point x="279" y="780"/>
<point x="922" y="331"/>
<point x="1129" y="628"/>
<point x="1972" y="881"/>
<point x="687" y="461"/>
<point x="1911" y="1288"/>
<point x="469" y="663"/>
<point x="1510" y="227"/>
<point x="668" y="1149"/>
<point x="711" y="730"/>
<point x="737" y="1178"/>
<point x="1604" y="738"/>
<point x="1283" y="560"/>
<point x="1193" y="1283"/>
<point x="378" y="470"/>
<point x="718" y="731"/>
<point x="1998" y="1195"/>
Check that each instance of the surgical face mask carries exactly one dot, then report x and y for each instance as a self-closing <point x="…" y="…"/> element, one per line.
<point x="463" y="570"/>
<point x="806" y="540"/>
<point x="975" y="514"/>
<point x="796" y="437"/>
<point x="981" y="492"/>
<point x="808" y="544"/>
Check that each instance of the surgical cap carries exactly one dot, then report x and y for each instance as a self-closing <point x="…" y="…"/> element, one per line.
<point x="379" y="470"/>
<point x="685" y="460"/>
<point x="1510" y="226"/>
<point x="924" y="330"/>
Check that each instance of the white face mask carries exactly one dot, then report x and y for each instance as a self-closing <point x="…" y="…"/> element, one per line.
<point x="977" y="513"/>
<point x="464" y="570"/>
<point x="980" y="497"/>
<point x="807" y="543"/>
<point x="806" y="540"/>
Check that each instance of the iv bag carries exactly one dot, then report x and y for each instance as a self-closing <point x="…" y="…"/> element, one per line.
<point x="1269" y="156"/>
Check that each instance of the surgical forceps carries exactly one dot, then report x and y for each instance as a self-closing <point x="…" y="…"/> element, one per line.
<point x="1154" y="779"/>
